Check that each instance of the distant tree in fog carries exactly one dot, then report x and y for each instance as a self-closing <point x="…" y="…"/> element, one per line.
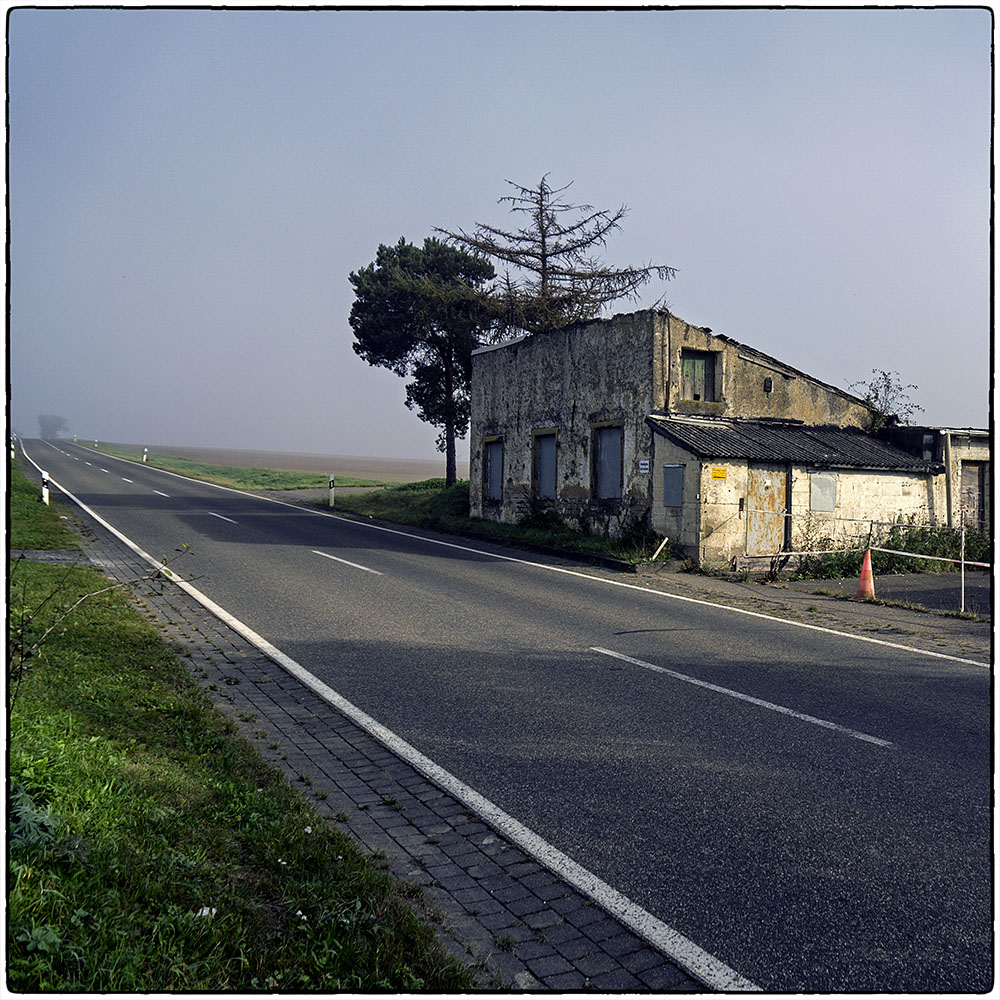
<point x="50" y="426"/>
<point x="420" y="312"/>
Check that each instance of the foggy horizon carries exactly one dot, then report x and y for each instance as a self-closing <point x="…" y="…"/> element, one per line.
<point x="189" y="190"/>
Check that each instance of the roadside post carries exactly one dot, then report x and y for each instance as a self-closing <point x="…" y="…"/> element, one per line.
<point x="145" y="452"/>
<point x="45" y="487"/>
<point x="962" y="559"/>
<point x="331" y="491"/>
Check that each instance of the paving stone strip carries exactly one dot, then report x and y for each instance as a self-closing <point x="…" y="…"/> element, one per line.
<point x="496" y="909"/>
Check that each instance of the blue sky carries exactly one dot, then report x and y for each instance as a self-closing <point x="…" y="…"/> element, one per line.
<point x="189" y="190"/>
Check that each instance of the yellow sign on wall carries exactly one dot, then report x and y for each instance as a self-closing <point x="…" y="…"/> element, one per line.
<point x="718" y="473"/>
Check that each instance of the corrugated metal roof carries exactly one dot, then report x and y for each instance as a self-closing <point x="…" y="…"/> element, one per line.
<point x="823" y="447"/>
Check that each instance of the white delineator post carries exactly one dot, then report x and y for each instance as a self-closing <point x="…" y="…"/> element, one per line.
<point x="331" y="491"/>
<point x="145" y="452"/>
<point x="45" y="487"/>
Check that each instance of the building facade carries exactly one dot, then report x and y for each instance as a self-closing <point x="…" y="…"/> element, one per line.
<point x="646" y="421"/>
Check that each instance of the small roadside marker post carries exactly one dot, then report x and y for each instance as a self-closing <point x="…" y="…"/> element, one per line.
<point x="962" y="557"/>
<point x="45" y="487"/>
<point x="145" y="451"/>
<point x="331" y="491"/>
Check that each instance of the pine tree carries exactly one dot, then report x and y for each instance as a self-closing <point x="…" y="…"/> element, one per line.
<point x="554" y="276"/>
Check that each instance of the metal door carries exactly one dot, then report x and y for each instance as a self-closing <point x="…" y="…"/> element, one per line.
<point x="765" y="509"/>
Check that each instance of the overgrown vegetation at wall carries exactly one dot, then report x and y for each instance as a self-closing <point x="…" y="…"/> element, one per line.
<point x="940" y="541"/>
<point x="150" y="849"/>
<point x="429" y="504"/>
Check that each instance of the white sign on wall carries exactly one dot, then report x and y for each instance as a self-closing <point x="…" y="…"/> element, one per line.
<point x="644" y="466"/>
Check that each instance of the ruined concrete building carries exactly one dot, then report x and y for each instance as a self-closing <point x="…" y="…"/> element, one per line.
<point x="646" y="421"/>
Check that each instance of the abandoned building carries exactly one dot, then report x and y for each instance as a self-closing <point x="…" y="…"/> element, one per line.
<point x="644" y="420"/>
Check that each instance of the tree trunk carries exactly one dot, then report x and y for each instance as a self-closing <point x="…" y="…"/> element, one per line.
<point x="450" y="474"/>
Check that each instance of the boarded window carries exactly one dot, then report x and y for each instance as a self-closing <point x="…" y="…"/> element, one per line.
<point x="545" y="466"/>
<point x="673" y="485"/>
<point x="973" y="481"/>
<point x="698" y="375"/>
<point x="493" y="470"/>
<point x="822" y="492"/>
<point x="608" y="463"/>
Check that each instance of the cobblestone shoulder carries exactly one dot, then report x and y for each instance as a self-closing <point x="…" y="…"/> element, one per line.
<point x="495" y="908"/>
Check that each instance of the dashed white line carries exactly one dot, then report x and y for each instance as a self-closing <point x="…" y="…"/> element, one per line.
<point x="105" y="470"/>
<point x="326" y="555"/>
<point x="162" y="494"/>
<point x="124" y="480"/>
<point x="745" y="697"/>
<point x="222" y="518"/>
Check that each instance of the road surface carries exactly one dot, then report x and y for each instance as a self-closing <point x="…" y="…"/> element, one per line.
<point x="811" y="809"/>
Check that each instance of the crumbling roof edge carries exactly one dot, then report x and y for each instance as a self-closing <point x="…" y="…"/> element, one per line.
<point x="661" y="424"/>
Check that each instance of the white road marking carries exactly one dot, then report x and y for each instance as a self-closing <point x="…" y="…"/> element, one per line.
<point x="704" y="967"/>
<point x="86" y="463"/>
<point x="124" y="480"/>
<point x="221" y="518"/>
<point x="105" y="470"/>
<point x="746" y="697"/>
<point x="167" y="495"/>
<point x="326" y="555"/>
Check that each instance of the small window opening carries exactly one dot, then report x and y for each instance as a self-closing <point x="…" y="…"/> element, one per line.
<point x="698" y="375"/>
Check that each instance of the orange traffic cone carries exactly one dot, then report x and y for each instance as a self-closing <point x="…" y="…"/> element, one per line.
<point x="866" y="585"/>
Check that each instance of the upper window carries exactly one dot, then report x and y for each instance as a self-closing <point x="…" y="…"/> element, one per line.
<point x="608" y="467"/>
<point x="493" y="470"/>
<point x="698" y="375"/>
<point x="545" y="466"/>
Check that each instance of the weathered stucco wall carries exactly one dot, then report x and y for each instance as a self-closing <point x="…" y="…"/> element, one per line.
<point x="569" y="381"/>
<point x="711" y="524"/>
<point x="861" y="497"/>
<point x="748" y="384"/>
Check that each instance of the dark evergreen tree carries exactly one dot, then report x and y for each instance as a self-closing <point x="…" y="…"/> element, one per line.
<point x="420" y="312"/>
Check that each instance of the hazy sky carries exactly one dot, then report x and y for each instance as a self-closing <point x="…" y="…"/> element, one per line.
<point x="189" y="190"/>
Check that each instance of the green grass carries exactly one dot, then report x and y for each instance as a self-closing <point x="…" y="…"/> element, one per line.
<point x="237" y="477"/>
<point x="430" y="504"/>
<point x="32" y="524"/>
<point x="150" y="848"/>
<point x="939" y="541"/>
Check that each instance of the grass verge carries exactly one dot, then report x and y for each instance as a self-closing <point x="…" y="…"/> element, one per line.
<point x="430" y="504"/>
<point x="150" y="848"/>
<point x="237" y="477"/>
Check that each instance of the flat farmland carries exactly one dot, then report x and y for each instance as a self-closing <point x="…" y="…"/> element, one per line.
<point x="391" y="470"/>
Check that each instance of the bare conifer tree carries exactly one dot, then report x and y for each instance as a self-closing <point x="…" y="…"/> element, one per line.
<point x="554" y="276"/>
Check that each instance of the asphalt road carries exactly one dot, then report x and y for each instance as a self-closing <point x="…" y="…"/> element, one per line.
<point x="834" y="834"/>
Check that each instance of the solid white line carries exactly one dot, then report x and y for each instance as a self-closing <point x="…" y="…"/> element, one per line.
<point x="326" y="555"/>
<point x="583" y="576"/>
<point x="698" y="962"/>
<point x="167" y="495"/>
<point x="221" y="518"/>
<point x="746" y="697"/>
